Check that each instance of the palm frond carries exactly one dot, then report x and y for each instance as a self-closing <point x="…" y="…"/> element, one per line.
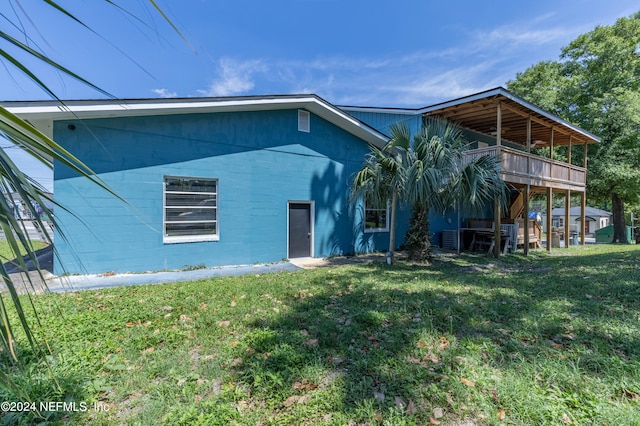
<point x="430" y="171"/>
<point x="12" y="180"/>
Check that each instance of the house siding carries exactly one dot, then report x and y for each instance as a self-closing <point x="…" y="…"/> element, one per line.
<point x="382" y="121"/>
<point x="438" y="222"/>
<point x="261" y="162"/>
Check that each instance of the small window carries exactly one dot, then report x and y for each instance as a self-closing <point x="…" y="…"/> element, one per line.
<point x="304" y="121"/>
<point x="376" y="219"/>
<point x="190" y="209"/>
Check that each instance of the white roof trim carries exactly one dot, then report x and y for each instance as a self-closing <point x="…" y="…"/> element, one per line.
<point x="87" y="109"/>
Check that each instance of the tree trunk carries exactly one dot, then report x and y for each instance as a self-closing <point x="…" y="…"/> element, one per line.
<point x="416" y="241"/>
<point x="619" y="226"/>
<point x="392" y="226"/>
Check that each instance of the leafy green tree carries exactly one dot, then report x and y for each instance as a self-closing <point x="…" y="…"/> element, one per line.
<point x="24" y="135"/>
<point x="428" y="172"/>
<point x="596" y="85"/>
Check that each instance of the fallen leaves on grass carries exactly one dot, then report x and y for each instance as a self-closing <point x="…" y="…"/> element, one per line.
<point x="438" y="413"/>
<point x="416" y="361"/>
<point x="336" y="360"/>
<point x="311" y="342"/>
<point x="467" y="382"/>
<point x="224" y="323"/>
<point x="443" y="343"/>
<point x="432" y="357"/>
<point x="307" y="386"/>
<point x="399" y="402"/>
<point x="501" y="414"/>
<point x="299" y="399"/>
<point x="631" y="395"/>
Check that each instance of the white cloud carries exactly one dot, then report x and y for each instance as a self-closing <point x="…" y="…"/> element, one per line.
<point x="235" y="77"/>
<point x="438" y="86"/>
<point x="481" y="60"/>
<point x="518" y="37"/>
<point x="164" y="93"/>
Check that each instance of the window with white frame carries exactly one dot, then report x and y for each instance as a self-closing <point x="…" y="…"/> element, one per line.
<point x="376" y="219"/>
<point x="190" y="209"/>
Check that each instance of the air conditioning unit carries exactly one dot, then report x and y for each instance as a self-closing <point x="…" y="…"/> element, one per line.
<point x="450" y="239"/>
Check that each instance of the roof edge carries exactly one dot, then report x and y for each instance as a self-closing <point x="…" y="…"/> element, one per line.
<point x="501" y="91"/>
<point x="105" y="108"/>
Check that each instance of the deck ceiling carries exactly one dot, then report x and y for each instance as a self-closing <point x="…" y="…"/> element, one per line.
<point x="480" y="114"/>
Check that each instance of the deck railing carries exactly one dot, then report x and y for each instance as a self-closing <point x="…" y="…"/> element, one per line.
<point x="522" y="167"/>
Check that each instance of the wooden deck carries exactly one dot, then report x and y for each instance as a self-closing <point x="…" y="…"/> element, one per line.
<point x="523" y="168"/>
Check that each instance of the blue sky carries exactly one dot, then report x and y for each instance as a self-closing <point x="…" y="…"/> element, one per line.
<point x="395" y="53"/>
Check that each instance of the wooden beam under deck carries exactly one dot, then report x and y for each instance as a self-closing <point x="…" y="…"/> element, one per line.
<point x="480" y="116"/>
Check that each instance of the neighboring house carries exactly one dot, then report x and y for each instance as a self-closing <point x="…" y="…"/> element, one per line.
<point x="207" y="181"/>
<point x="595" y="219"/>
<point x="221" y="181"/>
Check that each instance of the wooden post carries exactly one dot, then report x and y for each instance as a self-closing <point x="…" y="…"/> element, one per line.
<point x="527" y="190"/>
<point x="529" y="146"/>
<point x="392" y="226"/>
<point x="549" y="217"/>
<point x="569" y="153"/>
<point x="567" y="216"/>
<point x="583" y="215"/>
<point x="497" y="235"/>
<point x="583" y="201"/>
<point x="569" y="157"/>
<point x="499" y="124"/>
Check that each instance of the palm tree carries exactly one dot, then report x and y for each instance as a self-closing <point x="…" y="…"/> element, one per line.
<point x="24" y="135"/>
<point x="428" y="173"/>
<point x="381" y="182"/>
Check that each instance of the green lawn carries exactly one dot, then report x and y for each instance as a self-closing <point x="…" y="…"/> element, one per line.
<point x="6" y="254"/>
<point x="537" y="340"/>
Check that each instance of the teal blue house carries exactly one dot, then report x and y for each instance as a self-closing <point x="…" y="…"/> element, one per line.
<point x="208" y="182"/>
<point x="243" y="180"/>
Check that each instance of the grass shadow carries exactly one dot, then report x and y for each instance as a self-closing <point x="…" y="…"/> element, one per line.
<point x="393" y="347"/>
